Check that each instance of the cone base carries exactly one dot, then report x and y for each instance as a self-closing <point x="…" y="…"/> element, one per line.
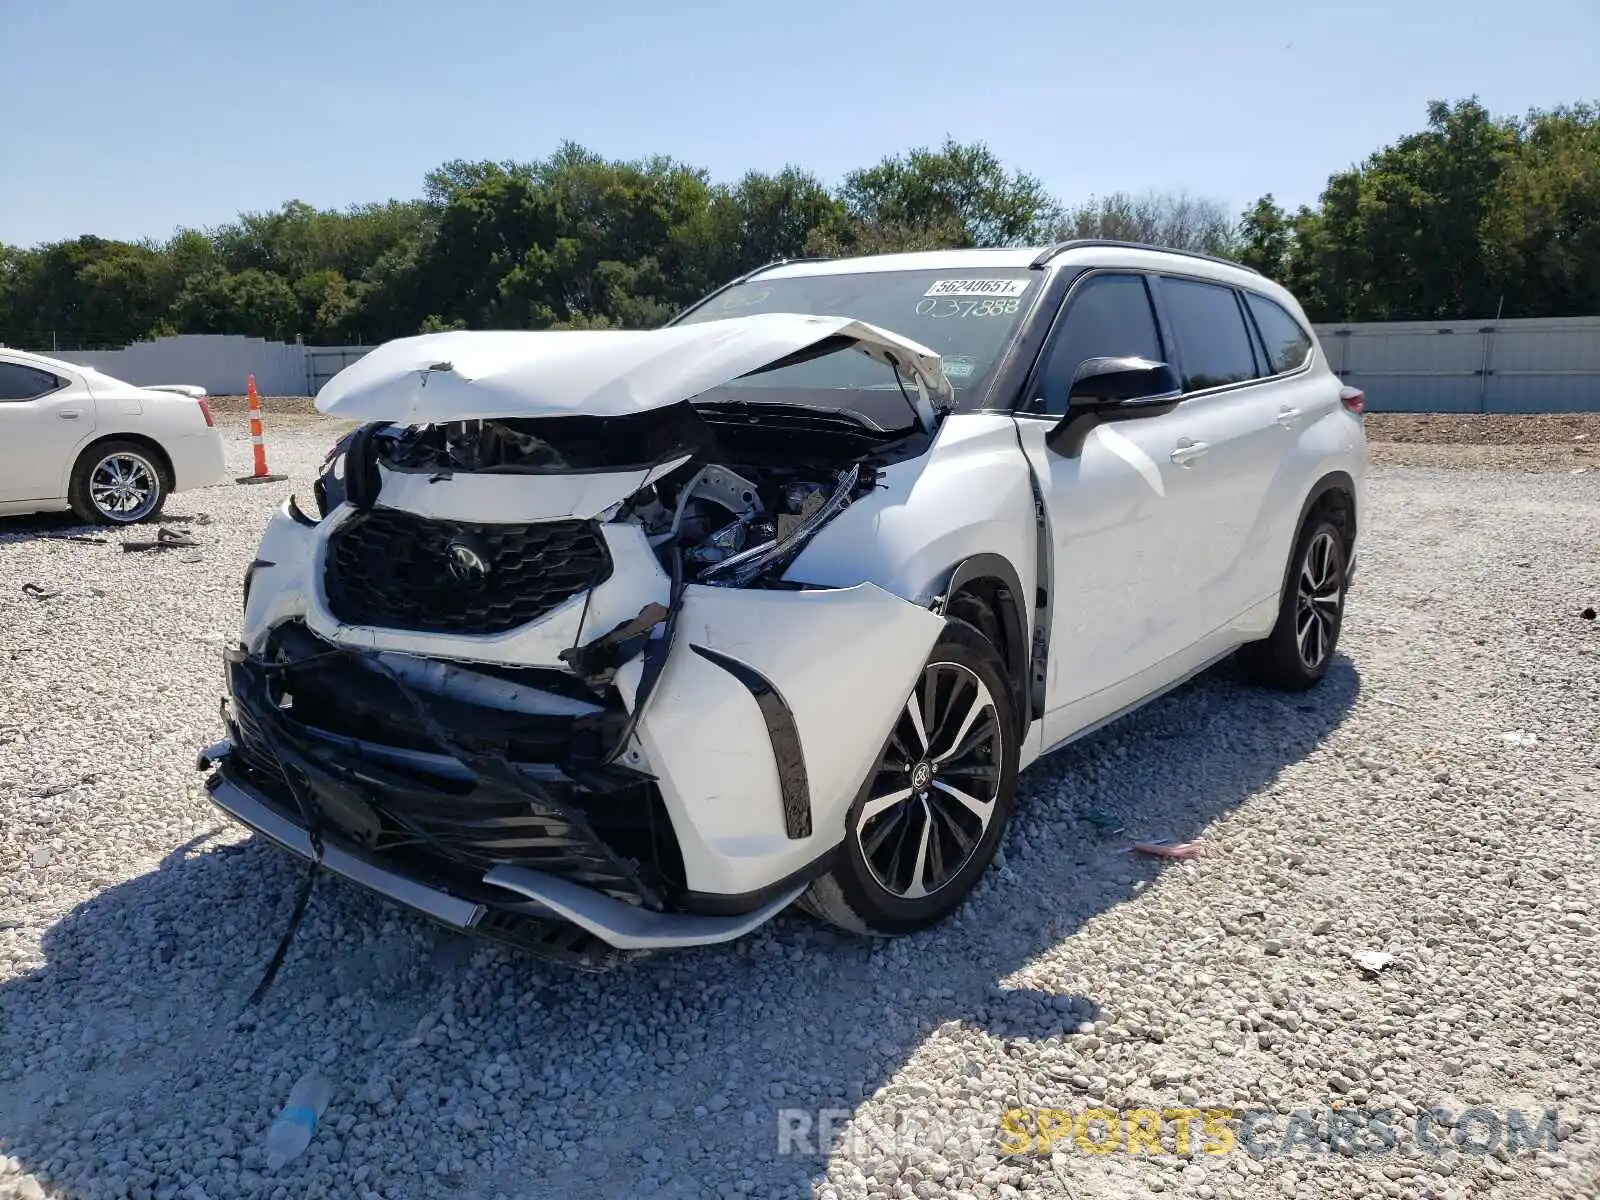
<point x="261" y="478"/>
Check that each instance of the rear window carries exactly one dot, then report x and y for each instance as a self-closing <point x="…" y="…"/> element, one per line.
<point x="18" y="382"/>
<point x="1288" y="344"/>
<point x="967" y="315"/>
<point x="1211" y="333"/>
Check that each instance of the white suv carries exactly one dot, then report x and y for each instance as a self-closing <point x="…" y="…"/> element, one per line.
<point x="644" y="636"/>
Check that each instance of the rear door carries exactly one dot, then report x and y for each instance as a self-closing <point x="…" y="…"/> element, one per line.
<point x="1300" y="396"/>
<point x="1231" y="417"/>
<point x="44" y="418"/>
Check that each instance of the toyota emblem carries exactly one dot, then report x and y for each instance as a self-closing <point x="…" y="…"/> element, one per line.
<point x="467" y="563"/>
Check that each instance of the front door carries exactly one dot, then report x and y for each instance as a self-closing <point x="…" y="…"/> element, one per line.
<point x="1128" y="517"/>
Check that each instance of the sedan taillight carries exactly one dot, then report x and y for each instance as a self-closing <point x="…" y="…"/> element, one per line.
<point x="205" y="411"/>
<point x="1354" y="400"/>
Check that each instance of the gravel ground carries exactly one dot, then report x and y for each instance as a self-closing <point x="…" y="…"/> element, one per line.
<point x="1434" y="797"/>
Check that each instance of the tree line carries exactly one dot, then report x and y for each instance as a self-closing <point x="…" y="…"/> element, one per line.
<point x="1472" y="215"/>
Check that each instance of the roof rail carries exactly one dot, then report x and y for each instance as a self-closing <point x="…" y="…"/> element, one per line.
<point x="732" y="283"/>
<point x="1049" y="252"/>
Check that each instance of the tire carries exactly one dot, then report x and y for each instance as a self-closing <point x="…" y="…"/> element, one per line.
<point x="1296" y="654"/>
<point x="885" y="879"/>
<point x="118" y="482"/>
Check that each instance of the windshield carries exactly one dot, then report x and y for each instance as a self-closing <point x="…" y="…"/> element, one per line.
<point x="966" y="314"/>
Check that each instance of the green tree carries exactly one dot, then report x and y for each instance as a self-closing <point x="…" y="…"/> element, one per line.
<point x="1541" y="233"/>
<point x="958" y="195"/>
<point x="1266" y="235"/>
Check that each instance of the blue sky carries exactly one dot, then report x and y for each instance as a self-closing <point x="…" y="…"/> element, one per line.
<point x="129" y="120"/>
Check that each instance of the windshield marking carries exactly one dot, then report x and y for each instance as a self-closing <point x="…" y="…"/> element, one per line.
<point x="978" y="287"/>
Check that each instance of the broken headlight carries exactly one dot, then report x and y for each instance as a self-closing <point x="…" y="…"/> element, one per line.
<point x="790" y="534"/>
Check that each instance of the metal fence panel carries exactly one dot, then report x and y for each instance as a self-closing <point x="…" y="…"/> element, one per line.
<point x="1470" y="366"/>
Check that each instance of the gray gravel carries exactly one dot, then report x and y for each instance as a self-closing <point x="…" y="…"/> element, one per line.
<point x="1390" y="810"/>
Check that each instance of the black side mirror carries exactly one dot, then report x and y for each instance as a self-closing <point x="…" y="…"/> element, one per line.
<point x="1101" y="382"/>
<point x="1113" y="389"/>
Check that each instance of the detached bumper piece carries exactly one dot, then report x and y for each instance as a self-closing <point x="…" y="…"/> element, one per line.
<point x="499" y="823"/>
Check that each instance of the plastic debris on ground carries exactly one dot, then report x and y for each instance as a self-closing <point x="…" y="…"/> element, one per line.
<point x="1170" y="849"/>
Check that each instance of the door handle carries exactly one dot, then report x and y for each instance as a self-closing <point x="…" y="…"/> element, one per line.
<point x="1186" y="452"/>
<point x="1287" y="417"/>
<point x="68" y="414"/>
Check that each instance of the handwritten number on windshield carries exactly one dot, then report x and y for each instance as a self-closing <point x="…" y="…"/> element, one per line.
<point x="948" y="307"/>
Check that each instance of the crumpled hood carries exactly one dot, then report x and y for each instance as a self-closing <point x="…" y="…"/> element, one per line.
<point x="471" y="375"/>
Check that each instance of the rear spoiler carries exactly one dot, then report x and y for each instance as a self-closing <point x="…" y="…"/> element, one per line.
<point x="183" y="389"/>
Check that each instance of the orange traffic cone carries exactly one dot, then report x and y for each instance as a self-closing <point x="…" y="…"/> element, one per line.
<point x="258" y="441"/>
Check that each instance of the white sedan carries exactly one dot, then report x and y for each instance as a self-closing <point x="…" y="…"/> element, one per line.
<point x="71" y="437"/>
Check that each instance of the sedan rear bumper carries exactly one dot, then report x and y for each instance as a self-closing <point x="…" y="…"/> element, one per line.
<point x="197" y="460"/>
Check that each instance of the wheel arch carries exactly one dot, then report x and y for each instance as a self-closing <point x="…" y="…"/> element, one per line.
<point x="990" y="581"/>
<point x="163" y="460"/>
<point x="1334" y="493"/>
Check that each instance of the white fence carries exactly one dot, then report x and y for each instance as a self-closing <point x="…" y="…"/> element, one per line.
<point x="1403" y="366"/>
<point x="1520" y="366"/>
<point x="221" y="363"/>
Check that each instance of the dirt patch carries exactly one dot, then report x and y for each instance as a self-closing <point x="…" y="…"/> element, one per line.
<point x="1484" y="429"/>
<point x="1487" y="441"/>
<point x="302" y="406"/>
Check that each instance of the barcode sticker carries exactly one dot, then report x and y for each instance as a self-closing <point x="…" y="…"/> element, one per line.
<point x="1004" y="288"/>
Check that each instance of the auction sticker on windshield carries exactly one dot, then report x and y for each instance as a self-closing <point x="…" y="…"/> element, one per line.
<point x="978" y="287"/>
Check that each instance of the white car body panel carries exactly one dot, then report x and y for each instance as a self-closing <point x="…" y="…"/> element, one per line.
<point x="41" y="439"/>
<point x="1154" y="550"/>
<point x="514" y="497"/>
<point x="462" y="375"/>
<point x="704" y="736"/>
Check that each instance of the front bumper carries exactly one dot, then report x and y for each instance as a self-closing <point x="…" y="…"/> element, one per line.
<point x="513" y="904"/>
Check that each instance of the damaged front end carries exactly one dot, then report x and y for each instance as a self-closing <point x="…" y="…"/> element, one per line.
<point x="546" y="676"/>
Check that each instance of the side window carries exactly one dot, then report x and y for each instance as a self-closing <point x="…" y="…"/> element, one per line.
<point x="18" y="382"/>
<point x="1207" y="321"/>
<point x="1288" y="345"/>
<point x="1109" y="315"/>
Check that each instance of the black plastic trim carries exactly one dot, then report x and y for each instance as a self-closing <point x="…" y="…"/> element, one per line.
<point x="1015" y="619"/>
<point x="785" y="735"/>
<point x="736" y="904"/>
<point x="1334" y="481"/>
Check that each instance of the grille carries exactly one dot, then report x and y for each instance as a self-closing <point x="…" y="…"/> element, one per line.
<point x="401" y="571"/>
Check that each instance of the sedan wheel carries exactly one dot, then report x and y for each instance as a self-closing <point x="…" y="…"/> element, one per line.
<point x="124" y="486"/>
<point x="119" y="481"/>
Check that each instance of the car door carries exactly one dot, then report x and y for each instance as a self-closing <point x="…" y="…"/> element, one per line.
<point x="1232" y="416"/>
<point x="44" y="418"/>
<point x="1299" y="398"/>
<point x="1124" y="517"/>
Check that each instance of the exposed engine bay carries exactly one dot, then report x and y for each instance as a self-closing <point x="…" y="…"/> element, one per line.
<point x="708" y="520"/>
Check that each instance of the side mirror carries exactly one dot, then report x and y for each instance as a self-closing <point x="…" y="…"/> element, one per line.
<point x="1113" y="389"/>
<point x="1112" y="382"/>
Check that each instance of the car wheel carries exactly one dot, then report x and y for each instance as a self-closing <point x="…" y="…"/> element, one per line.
<point x="927" y="820"/>
<point x="118" y="483"/>
<point x="1297" y="652"/>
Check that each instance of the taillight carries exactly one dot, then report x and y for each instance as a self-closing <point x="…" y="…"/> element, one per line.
<point x="205" y="411"/>
<point x="1353" y="399"/>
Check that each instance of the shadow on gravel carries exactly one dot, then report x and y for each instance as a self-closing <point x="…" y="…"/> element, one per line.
<point x="127" y="1069"/>
<point x="66" y="526"/>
